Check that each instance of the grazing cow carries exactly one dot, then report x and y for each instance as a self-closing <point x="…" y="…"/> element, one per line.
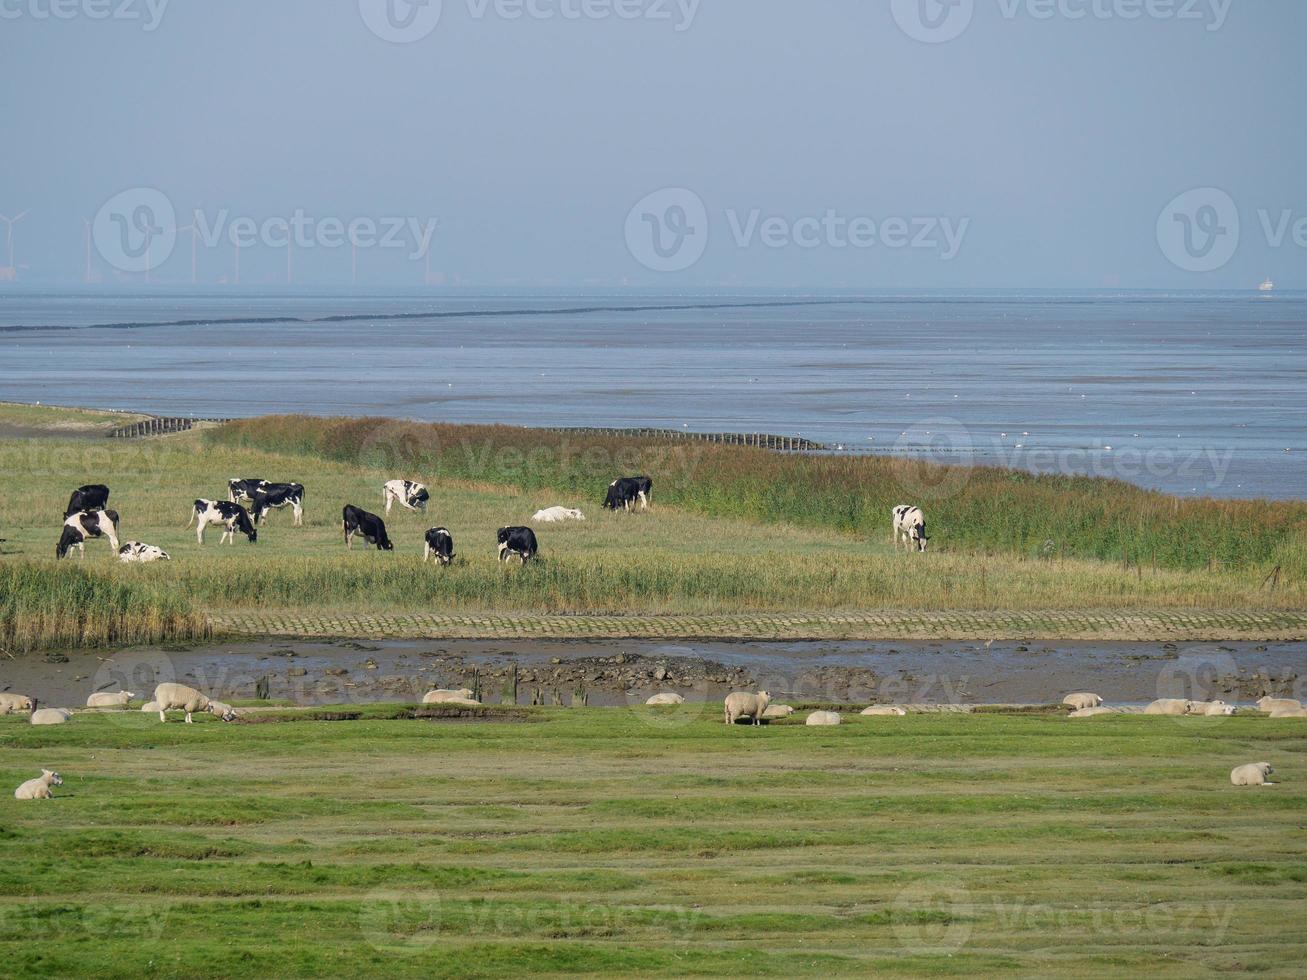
<point x="520" y="541"/>
<point x="238" y="490"/>
<point x="440" y="543"/>
<point x="274" y="496"/>
<point x="372" y="527"/>
<point x="623" y="494"/>
<point x="909" y="528"/>
<point x="134" y="551"/>
<point x="93" y="496"/>
<point x="231" y="516"/>
<point x="556" y="515"/>
<point x="87" y="524"/>
<point x="406" y="493"/>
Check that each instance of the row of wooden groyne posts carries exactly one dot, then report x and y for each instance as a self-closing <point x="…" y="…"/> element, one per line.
<point x="761" y="440"/>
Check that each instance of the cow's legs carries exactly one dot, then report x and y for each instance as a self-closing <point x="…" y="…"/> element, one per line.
<point x="299" y="515"/>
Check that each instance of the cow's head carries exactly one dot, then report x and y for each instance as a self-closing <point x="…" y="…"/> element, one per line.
<point x="919" y="538"/>
<point x="67" y="540"/>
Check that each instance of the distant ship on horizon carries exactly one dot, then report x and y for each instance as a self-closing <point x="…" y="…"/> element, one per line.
<point x="1267" y="287"/>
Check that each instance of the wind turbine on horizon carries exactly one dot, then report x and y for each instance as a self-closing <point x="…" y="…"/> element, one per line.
<point x="194" y="234"/>
<point x="10" y="272"/>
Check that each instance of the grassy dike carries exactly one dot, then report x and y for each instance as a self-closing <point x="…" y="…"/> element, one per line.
<point x="627" y="842"/>
<point x="721" y="540"/>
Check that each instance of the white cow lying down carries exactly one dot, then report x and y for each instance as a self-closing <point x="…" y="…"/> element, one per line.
<point x="556" y="515"/>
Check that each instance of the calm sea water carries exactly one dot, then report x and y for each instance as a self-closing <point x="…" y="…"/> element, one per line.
<point x="1191" y="393"/>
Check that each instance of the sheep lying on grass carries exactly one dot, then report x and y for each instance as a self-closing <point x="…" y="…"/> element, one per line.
<point x="1269" y="704"/>
<point x="106" y="700"/>
<point x="1082" y="700"/>
<point x="823" y="718"/>
<point x="885" y="709"/>
<point x="463" y="696"/>
<point x="1289" y="713"/>
<point x="1092" y="712"/>
<point x="151" y="706"/>
<point x="666" y="698"/>
<point x="1211" y="709"/>
<point x="1253" y="774"/>
<point x="39" y="788"/>
<point x="179" y="697"/>
<point x="12" y="703"/>
<point x="740" y="705"/>
<point x="775" y="712"/>
<point x="49" y="716"/>
<point x="1168" y="706"/>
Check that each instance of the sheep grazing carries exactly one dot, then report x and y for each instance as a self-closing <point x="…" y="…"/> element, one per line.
<point x="462" y="696"/>
<point x="823" y="718"/>
<point x="1092" y="712"/>
<point x="1253" y="774"/>
<point x="1168" y="706"/>
<point x="666" y="698"/>
<point x="106" y="700"/>
<point x="884" y="709"/>
<point x="179" y="697"/>
<point x="39" y="788"/>
<point x="50" y="716"/>
<point x="740" y="705"/>
<point x="775" y="712"/>
<point x="11" y="703"/>
<point x="1269" y="704"/>
<point x="1082" y="700"/>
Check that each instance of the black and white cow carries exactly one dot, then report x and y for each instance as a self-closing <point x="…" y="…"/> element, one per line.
<point x="406" y="493"/>
<point x="520" y="541"/>
<point x="909" y="528"/>
<point x="238" y="490"/>
<point x="273" y="496"/>
<point x="625" y="493"/>
<point x="87" y="524"/>
<point x="92" y="497"/>
<point x="440" y="545"/>
<point x="373" y="528"/>
<point x="232" y="517"/>
<point x="135" y="552"/>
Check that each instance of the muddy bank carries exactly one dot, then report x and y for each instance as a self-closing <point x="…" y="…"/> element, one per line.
<point x="620" y="672"/>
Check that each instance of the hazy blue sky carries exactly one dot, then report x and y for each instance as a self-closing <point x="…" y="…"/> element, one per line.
<point x="1038" y="148"/>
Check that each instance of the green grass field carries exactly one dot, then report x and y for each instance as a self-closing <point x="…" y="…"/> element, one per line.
<point x="681" y="558"/>
<point x="616" y="842"/>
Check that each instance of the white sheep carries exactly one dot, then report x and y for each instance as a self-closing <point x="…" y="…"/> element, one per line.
<point x="740" y="705"/>
<point x="556" y="515"/>
<point x="39" y="788"/>
<point x="1168" y="706"/>
<point x="106" y="700"/>
<point x="1082" y="699"/>
<point x="49" y="716"/>
<point x="150" y="706"/>
<point x="11" y="703"/>
<point x="179" y="697"/>
<point x="1269" y="704"/>
<point x="449" y="697"/>
<point x="666" y="698"/>
<point x="1092" y="712"/>
<point x="1253" y="774"/>
<point x="884" y="709"/>
<point x="777" y="711"/>
<point x="823" y="718"/>
<point x="1212" y="709"/>
<point x="1289" y="713"/>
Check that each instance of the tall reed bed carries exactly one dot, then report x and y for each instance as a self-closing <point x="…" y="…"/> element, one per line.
<point x="44" y="605"/>
<point x="976" y="510"/>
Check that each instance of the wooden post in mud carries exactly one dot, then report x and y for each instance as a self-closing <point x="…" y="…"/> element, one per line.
<point x="1273" y="580"/>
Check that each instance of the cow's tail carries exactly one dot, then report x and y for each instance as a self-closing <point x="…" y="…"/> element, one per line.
<point x="194" y="514"/>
